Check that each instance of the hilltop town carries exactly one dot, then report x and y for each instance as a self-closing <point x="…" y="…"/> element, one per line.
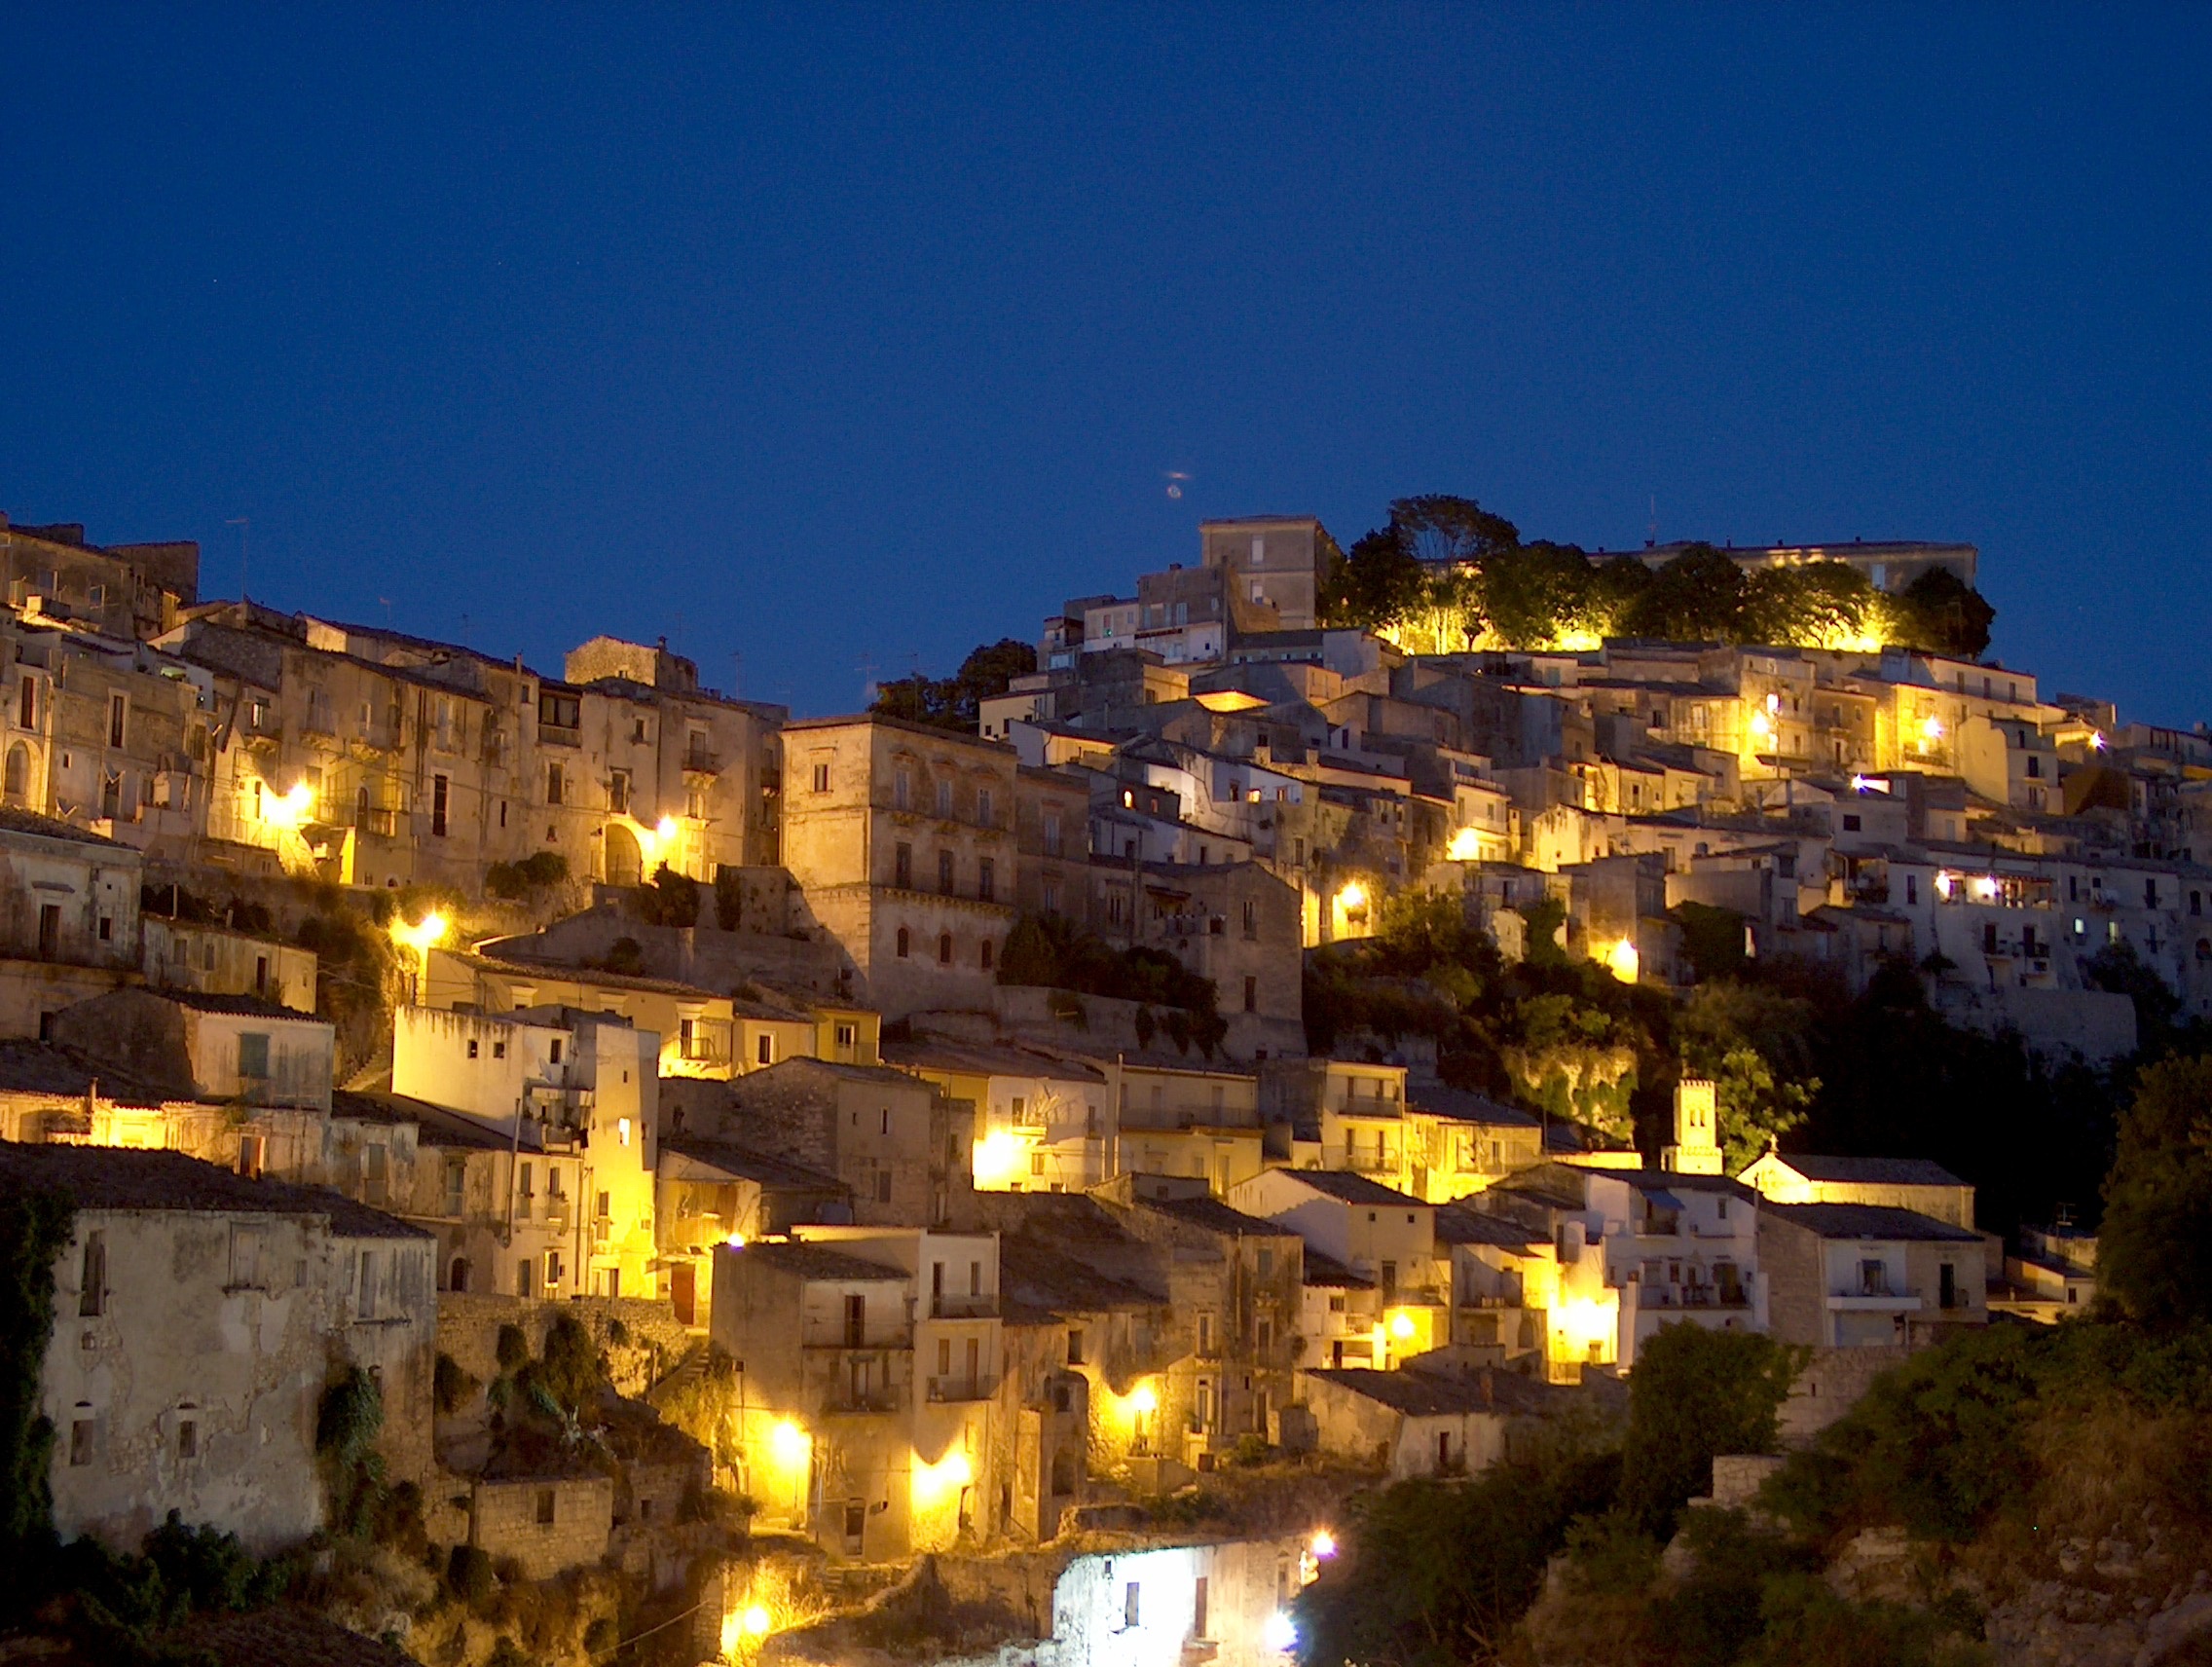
<point x="561" y="1164"/>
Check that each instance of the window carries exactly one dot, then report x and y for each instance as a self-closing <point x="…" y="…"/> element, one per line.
<point x="902" y="866"/>
<point x="552" y="1269"/>
<point x="902" y="789"/>
<point x="118" y="710"/>
<point x="986" y="879"/>
<point x="554" y="1055"/>
<point x="1872" y="1282"/>
<point x="1129" y="1606"/>
<point x="187" y="1438"/>
<point x="80" y="1441"/>
<point x="1251" y="919"/>
<point x="822" y="778"/>
<point x="91" y="1287"/>
<point x="984" y="806"/>
<point x="1251" y="995"/>
<point x="472" y="1047"/>
<point x="545" y="1507"/>
<point x="26" y="702"/>
<point x="906" y="942"/>
<point x="253" y="1151"/>
<point x="1051" y="897"/>
<point x="764" y="1047"/>
<point x="884" y="1125"/>
<point x="985" y="955"/>
<point x="48" y="931"/>
<point x="498" y="1050"/>
<point x="1075" y="1347"/>
<point x="944" y="796"/>
<point x="1851" y="823"/>
<point x="107" y="929"/>
<point x="1205" y="1334"/>
<point x="945" y="949"/>
<point x="555" y="785"/>
<point x="1051" y="829"/>
<point x="846" y="1035"/>
<point x="618" y="792"/>
<point x="944" y="873"/>
<point x="253" y="1055"/>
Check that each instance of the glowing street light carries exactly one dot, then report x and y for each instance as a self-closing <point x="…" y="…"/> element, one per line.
<point x="1324" y="1544"/>
<point x="756" y="1620"/>
<point x="1624" y="962"/>
<point x="1278" y="1631"/>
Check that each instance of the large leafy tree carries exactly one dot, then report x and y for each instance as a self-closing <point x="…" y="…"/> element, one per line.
<point x="1438" y="530"/>
<point x="2155" y="1249"/>
<point x="1941" y="612"/>
<point x="956" y="702"/>
<point x="1694" y="1393"/>
<point x="1698" y="597"/>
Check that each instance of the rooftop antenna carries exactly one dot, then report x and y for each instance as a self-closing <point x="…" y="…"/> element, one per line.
<point x="866" y="669"/>
<point x="241" y="522"/>
<point x="736" y="672"/>
<point x="1651" y="529"/>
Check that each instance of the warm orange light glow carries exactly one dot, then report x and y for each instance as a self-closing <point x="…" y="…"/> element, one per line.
<point x="1001" y="1158"/>
<point x="1401" y="1326"/>
<point x="1324" y="1544"/>
<point x="1352" y="898"/>
<point x="1466" y="846"/>
<point x="756" y="1620"/>
<point x="1623" y="961"/>
<point x="1144" y="1400"/>
<point x="420" y="936"/>
<point x="288" y="809"/>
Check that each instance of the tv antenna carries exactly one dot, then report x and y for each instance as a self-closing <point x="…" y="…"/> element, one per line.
<point x="241" y="522"/>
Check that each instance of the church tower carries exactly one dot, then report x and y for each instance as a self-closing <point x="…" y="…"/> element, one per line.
<point x="1696" y="1149"/>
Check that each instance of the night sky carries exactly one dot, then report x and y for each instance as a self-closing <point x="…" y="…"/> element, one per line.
<point x="836" y="339"/>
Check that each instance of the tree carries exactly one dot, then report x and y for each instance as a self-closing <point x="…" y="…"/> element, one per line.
<point x="1434" y="1573"/>
<point x="2155" y="1249"/>
<point x="1753" y="1043"/>
<point x="956" y="702"/>
<point x="1696" y="1392"/>
<point x="1816" y="604"/>
<point x="1377" y="585"/>
<point x="1534" y="593"/>
<point x="1698" y="597"/>
<point x="1941" y="612"/>
<point x="1439" y="529"/>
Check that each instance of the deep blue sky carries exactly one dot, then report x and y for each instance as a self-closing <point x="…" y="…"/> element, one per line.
<point x="840" y="336"/>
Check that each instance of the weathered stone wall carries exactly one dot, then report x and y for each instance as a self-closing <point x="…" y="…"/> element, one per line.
<point x="1829" y="1386"/>
<point x="509" y="1521"/>
<point x="468" y="1330"/>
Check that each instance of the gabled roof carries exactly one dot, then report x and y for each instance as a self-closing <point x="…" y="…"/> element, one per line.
<point x="1327" y="1273"/>
<point x="244" y="1006"/>
<point x="995" y="1058"/>
<point x="1872" y="1171"/>
<point x="1457" y="1224"/>
<point x="1675" y="1181"/>
<point x="1046" y="1280"/>
<point x="1867" y="1221"/>
<point x="819" y="1262"/>
<point x="110" y="1177"/>
<point x="1349" y="1188"/>
<point x="1463" y="1106"/>
<point x="1215" y="1217"/>
<point x="745" y="1163"/>
<point x="1428" y="1394"/>
<point x="15" y="821"/>
<point x="55" y="1069"/>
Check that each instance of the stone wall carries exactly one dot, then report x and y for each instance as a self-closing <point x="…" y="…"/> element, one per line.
<point x="468" y="1330"/>
<point x="510" y="1519"/>
<point x="1829" y="1386"/>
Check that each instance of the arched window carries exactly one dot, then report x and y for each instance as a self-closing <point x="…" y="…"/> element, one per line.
<point x="18" y="778"/>
<point x="458" y="1278"/>
<point x="904" y="943"/>
<point x="944" y="950"/>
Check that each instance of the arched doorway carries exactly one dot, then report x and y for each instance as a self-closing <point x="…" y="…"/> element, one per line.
<point x="458" y="1276"/>
<point x="625" y="862"/>
<point x="18" y="785"/>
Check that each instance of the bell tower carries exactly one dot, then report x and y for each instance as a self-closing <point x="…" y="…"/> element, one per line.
<point x="1696" y="1149"/>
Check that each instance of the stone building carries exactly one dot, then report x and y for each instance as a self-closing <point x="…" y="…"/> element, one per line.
<point x="1426" y="1423"/>
<point x="199" y="1316"/>
<point x="68" y="918"/>
<point x="1853" y="1275"/>
<point x="125" y="590"/>
<point x="1043" y="1123"/>
<point x="1234" y="923"/>
<point x="905" y="1150"/>
<point x="1900" y="1183"/>
<point x="1379" y="1233"/>
<point x="903" y="839"/>
<point x="583" y="1084"/>
<point x="1237" y="1283"/>
<point x="869" y="1359"/>
<point x="214" y="1048"/>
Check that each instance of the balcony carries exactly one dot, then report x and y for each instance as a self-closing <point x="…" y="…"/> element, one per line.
<point x="961" y="1388"/>
<point x="700" y="762"/>
<point x="944" y="1305"/>
<point x="1874" y="1302"/>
